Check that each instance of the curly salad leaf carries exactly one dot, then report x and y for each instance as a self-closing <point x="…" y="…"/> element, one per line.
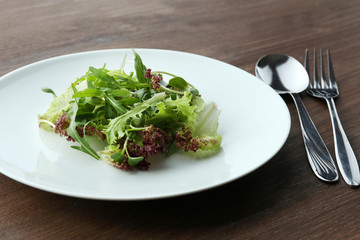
<point x="137" y="115"/>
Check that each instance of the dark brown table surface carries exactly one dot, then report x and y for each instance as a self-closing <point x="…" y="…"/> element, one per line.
<point x="281" y="200"/>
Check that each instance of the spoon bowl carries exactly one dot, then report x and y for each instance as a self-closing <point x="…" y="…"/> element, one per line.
<point x="283" y="73"/>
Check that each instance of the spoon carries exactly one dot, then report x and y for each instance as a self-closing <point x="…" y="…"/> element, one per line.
<point x="286" y="75"/>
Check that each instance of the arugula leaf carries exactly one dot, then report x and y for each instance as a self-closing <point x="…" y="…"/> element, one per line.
<point x="109" y="112"/>
<point x="129" y="101"/>
<point x="72" y="132"/>
<point x="133" y="161"/>
<point x="48" y="90"/>
<point x="143" y="94"/>
<point x="105" y="79"/>
<point x="89" y="92"/>
<point x="90" y="85"/>
<point x="118" y="157"/>
<point x="140" y="68"/>
<point x="120" y="109"/>
<point x="194" y="91"/>
<point x="117" y="126"/>
<point x="102" y="74"/>
<point x="95" y="101"/>
<point x="179" y="83"/>
<point x="118" y="93"/>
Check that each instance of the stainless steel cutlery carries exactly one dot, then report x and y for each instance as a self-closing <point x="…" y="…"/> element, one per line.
<point x="286" y="75"/>
<point x="328" y="90"/>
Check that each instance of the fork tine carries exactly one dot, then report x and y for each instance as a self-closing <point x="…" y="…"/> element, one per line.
<point x="316" y="80"/>
<point x="332" y="80"/>
<point x="322" y="72"/>
<point x="306" y="65"/>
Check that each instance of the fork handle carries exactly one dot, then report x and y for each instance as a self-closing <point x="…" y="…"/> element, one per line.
<point x="344" y="153"/>
<point x="319" y="157"/>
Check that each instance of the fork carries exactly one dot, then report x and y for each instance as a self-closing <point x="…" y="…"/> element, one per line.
<point x="329" y="90"/>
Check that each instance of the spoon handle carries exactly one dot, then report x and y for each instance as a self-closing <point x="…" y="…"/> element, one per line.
<point x="319" y="157"/>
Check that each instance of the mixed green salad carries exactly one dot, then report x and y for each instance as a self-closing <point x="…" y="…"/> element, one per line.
<point x="137" y="115"/>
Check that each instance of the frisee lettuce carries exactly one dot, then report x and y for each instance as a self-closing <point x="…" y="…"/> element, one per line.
<point x="116" y="128"/>
<point x="138" y="116"/>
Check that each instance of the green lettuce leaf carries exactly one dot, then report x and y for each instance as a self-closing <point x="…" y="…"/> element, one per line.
<point x="205" y="130"/>
<point x="182" y="105"/>
<point x="172" y="113"/>
<point x="207" y="121"/>
<point x="59" y="105"/>
<point x="164" y="118"/>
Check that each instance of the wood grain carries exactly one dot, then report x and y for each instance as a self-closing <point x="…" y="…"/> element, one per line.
<point x="281" y="200"/>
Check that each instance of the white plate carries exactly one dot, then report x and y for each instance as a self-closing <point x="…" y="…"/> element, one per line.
<point x="254" y="124"/>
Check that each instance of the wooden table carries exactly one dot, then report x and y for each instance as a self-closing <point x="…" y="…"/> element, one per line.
<point x="281" y="200"/>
